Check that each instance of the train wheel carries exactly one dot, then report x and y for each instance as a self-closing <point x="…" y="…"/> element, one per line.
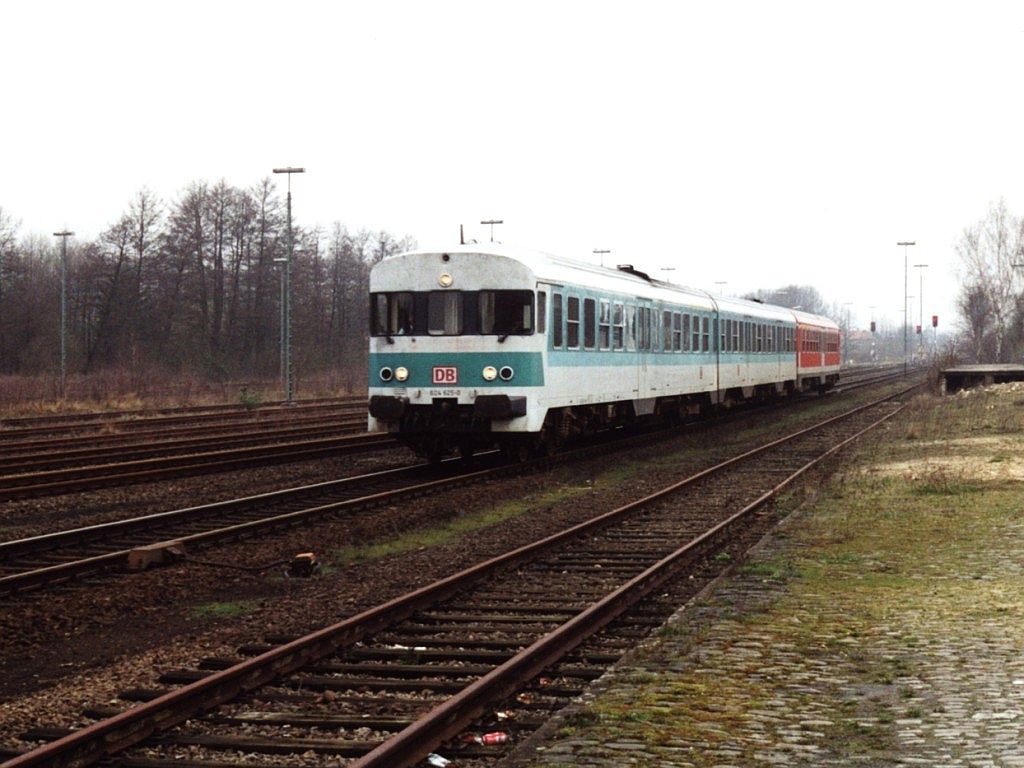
<point x="515" y="453"/>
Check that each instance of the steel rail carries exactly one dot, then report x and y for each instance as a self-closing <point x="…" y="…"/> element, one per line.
<point x="63" y="480"/>
<point x="11" y="424"/>
<point x="132" y="726"/>
<point x="74" y="568"/>
<point x="15" y="446"/>
<point x="128" y="449"/>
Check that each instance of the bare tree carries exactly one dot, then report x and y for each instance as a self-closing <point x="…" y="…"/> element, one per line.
<point x="988" y="250"/>
<point x="8" y="232"/>
<point x="803" y="297"/>
<point x="979" y="322"/>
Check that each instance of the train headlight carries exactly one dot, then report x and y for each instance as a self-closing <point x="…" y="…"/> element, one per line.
<point x="401" y="373"/>
<point x="386" y="374"/>
<point x="506" y="373"/>
<point x="490" y="373"/>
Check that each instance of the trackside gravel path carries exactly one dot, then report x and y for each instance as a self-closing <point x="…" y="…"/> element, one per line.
<point x="882" y="624"/>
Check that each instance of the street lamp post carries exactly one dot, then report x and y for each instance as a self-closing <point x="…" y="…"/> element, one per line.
<point x="286" y="298"/>
<point x="63" y="235"/>
<point x="920" y="298"/>
<point x="906" y="342"/>
<point x="492" y="222"/>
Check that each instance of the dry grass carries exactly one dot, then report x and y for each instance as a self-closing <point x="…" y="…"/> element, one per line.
<point x="121" y="389"/>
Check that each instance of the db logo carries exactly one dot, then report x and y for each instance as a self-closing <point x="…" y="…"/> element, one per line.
<point x="445" y="374"/>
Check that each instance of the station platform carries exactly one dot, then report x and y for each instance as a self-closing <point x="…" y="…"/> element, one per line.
<point x="967" y="376"/>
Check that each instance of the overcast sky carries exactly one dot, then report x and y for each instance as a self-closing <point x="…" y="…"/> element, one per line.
<point x="758" y="143"/>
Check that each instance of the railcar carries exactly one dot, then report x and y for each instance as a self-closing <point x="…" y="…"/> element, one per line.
<point x="483" y="345"/>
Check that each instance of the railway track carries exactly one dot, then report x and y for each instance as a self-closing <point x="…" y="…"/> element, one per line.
<point x="60" y="556"/>
<point x="18" y="428"/>
<point x="64" y="466"/>
<point x="489" y="650"/>
<point x="37" y="455"/>
<point x="58" y="481"/>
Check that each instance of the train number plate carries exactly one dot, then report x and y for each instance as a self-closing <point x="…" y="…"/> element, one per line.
<point x="445" y="374"/>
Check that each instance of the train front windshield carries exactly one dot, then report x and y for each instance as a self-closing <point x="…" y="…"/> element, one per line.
<point x="452" y="313"/>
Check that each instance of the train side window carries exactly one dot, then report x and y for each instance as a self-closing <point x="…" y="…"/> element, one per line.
<point x="631" y="328"/>
<point x="695" y="335"/>
<point x="378" y="313"/>
<point x="722" y="335"/>
<point x="589" y="316"/>
<point x="556" y="320"/>
<point x="677" y="332"/>
<point x="735" y="336"/>
<point x="393" y="314"/>
<point x="618" y="326"/>
<point x="444" y="313"/>
<point x="604" y="320"/>
<point x="572" y="322"/>
<point x="706" y="333"/>
<point x="542" y="311"/>
<point x="505" y="313"/>
<point x="686" y="333"/>
<point x="666" y="331"/>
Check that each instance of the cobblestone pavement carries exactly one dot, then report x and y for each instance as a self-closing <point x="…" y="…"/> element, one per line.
<point x="838" y="643"/>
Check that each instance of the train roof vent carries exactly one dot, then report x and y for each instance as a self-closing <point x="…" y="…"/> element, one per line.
<point x="629" y="268"/>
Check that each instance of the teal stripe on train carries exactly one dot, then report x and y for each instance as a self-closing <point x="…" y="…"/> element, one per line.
<point x="575" y="358"/>
<point x="528" y="367"/>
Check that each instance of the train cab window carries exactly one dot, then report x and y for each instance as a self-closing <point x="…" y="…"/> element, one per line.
<point x="542" y="311"/>
<point x="706" y="333"/>
<point x="618" y="326"/>
<point x="604" y="323"/>
<point x="506" y="313"/>
<point x="444" y="313"/>
<point x="572" y="323"/>
<point x="556" y="320"/>
<point x="589" y="312"/>
<point x="393" y="314"/>
<point x="677" y="332"/>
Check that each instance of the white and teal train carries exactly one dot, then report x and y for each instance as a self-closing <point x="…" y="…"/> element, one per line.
<point x="484" y="345"/>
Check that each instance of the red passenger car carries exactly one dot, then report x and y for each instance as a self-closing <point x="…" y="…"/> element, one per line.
<point x="817" y="352"/>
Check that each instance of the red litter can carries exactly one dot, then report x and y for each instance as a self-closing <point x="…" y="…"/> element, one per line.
<point x="497" y="737"/>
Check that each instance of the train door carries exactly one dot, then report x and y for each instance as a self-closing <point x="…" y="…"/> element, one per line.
<point x="644" y="343"/>
<point x="775" y="332"/>
<point x="746" y="340"/>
